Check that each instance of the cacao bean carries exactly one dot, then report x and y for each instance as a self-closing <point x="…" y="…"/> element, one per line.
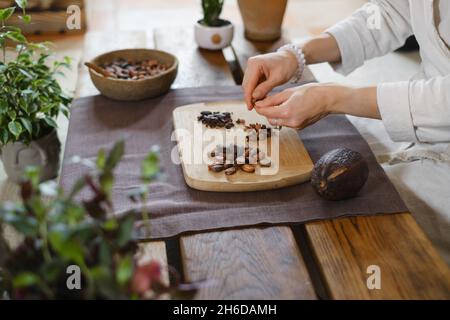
<point x="248" y="168"/>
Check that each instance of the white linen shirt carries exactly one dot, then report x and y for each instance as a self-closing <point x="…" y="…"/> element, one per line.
<point x="414" y="110"/>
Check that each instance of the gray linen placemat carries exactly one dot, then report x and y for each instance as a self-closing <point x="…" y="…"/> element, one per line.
<point x="97" y="122"/>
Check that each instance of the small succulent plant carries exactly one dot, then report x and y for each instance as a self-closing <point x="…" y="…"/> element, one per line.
<point x="211" y="12"/>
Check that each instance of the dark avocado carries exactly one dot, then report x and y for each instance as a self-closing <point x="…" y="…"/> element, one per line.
<point x="339" y="174"/>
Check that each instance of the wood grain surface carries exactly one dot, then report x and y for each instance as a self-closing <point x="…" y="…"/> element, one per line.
<point x="247" y="264"/>
<point x="198" y="67"/>
<point x="410" y="266"/>
<point x="291" y="163"/>
<point x="153" y="251"/>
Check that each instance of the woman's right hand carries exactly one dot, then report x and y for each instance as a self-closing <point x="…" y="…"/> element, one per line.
<point x="265" y="72"/>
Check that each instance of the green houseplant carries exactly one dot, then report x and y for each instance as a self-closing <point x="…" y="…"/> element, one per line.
<point x="60" y="231"/>
<point x="212" y="32"/>
<point x="30" y="101"/>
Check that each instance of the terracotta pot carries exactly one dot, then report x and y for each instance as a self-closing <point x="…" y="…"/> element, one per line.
<point x="262" y="18"/>
<point x="43" y="153"/>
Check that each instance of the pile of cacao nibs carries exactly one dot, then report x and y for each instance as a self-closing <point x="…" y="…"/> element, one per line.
<point x="134" y="70"/>
<point x="216" y="119"/>
<point x="258" y="131"/>
<point x="232" y="158"/>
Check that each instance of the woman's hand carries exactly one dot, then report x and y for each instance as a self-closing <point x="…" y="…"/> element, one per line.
<point x="302" y="106"/>
<point x="296" y="107"/>
<point x="265" y="72"/>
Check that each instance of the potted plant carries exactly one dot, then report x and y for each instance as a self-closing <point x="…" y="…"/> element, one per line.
<point x="62" y="232"/>
<point x="262" y="18"/>
<point x="211" y="32"/>
<point x="30" y="101"/>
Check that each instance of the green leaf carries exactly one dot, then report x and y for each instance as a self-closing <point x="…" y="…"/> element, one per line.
<point x="38" y="207"/>
<point x="22" y="4"/>
<point x="101" y="159"/>
<point x="124" y="270"/>
<point x="67" y="60"/>
<point x="106" y="182"/>
<point x="110" y="225"/>
<point x="26" y="73"/>
<point x="150" y="166"/>
<point x="50" y="122"/>
<point x="27" y="125"/>
<point x="105" y="254"/>
<point x="114" y="156"/>
<point x="65" y="111"/>
<point x="25" y="279"/>
<point x="26" y="18"/>
<point x="6" y="13"/>
<point x="33" y="174"/>
<point x="66" y="247"/>
<point x="51" y="271"/>
<point x="125" y="231"/>
<point x="16" y="36"/>
<point x="26" y="225"/>
<point x="12" y="114"/>
<point x="15" y="128"/>
<point x="4" y="136"/>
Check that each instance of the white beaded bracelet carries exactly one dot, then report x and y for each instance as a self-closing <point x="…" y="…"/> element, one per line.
<point x="301" y="61"/>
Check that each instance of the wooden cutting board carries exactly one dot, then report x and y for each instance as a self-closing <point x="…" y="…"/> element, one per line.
<point x="293" y="166"/>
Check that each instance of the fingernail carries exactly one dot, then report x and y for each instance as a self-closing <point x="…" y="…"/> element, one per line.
<point x="256" y="94"/>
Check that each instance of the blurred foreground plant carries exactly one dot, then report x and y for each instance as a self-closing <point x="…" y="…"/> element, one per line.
<point x="59" y="231"/>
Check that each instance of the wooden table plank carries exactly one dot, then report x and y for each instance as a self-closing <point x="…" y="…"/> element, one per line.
<point x="343" y="249"/>
<point x="197" y="67"/>
<point x="246" y="263"/>
<point x="410" y="266"/>
<point x="156" y="251"/>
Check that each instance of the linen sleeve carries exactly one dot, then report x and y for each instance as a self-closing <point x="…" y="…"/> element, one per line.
<point x="416" y="110"/>
<point x="375" y="29"/>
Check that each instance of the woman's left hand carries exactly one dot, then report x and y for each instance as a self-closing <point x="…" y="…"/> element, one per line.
<point x="302" y="106"/>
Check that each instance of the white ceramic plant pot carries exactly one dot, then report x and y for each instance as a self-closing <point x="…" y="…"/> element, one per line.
<point x="43" y="153"/>
<point x="214" y="38"/>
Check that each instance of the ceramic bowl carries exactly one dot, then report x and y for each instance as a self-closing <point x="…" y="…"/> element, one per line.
<point x="133" y="90"/>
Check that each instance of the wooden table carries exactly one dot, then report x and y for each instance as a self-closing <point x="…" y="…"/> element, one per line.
<point x="326" y="259"/>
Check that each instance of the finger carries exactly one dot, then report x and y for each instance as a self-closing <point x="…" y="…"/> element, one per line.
<point x="276" y="121"/>
<point x="282" y="122"/>
<point x="275" y="112"/>
<point x="249" y="83"/>
<point x="273" y="100"/>
<point x="263" y="89"/>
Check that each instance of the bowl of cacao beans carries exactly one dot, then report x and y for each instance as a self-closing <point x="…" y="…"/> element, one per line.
<point x="133" y="74"/>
